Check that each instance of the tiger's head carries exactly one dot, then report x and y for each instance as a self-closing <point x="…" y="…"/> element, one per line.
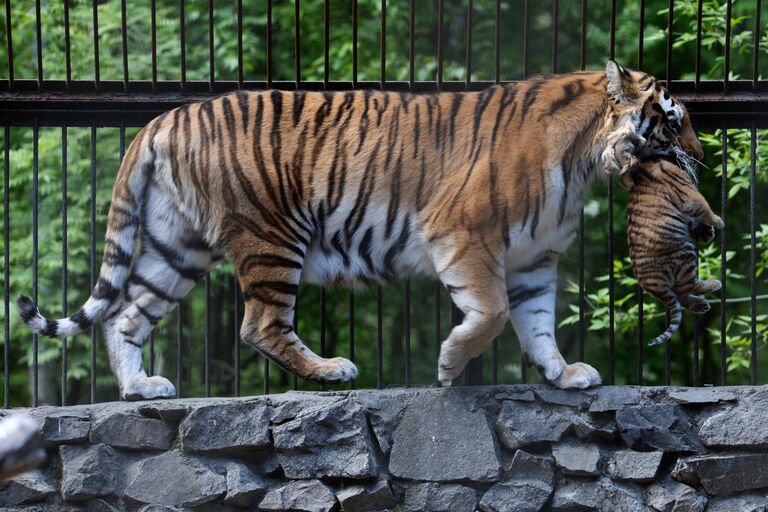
<point x="645" y="119"/>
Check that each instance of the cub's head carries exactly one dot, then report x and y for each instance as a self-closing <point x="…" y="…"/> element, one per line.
<point x="647" y="120"/>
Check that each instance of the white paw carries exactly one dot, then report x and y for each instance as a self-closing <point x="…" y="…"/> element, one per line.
<point x="149" y="388"/>
<point x="578" y="376"/>
<point x="337" y="369"/>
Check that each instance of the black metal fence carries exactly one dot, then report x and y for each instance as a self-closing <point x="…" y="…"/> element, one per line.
<point x="31" y="105"/>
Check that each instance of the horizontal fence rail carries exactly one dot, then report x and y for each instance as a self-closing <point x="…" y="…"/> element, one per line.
<point x="392" y="333"/>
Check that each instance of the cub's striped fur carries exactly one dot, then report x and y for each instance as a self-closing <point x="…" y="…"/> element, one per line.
<point x="481" y="189"/>
<point x="664" y="206"/>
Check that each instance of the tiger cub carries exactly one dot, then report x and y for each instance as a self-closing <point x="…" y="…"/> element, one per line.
<point x="664" y="207"/>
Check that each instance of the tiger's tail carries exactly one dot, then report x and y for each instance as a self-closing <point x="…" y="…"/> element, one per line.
<point x="674" y="317"/>
<point x="122" y="224"/>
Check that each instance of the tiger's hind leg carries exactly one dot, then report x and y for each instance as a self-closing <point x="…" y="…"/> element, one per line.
<point x="473" y="272"/>
<point x="695" y="303"/>
<point x="269" y="274"/>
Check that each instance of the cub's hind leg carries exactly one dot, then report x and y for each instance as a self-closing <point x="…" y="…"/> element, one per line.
<point x="472" y="270"/>
<point x="269" y="274"/>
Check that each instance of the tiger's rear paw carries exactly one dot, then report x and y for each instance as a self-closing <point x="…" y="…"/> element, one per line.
<point x="335" y="370"/>
<point x="149" y="388"/>
<point x="577" y="376"/>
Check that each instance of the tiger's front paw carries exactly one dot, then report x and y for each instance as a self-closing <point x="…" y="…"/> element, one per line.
<point x="149" y="388"/>
<point x="332" y="371"/>
<point x="577" y="376"/>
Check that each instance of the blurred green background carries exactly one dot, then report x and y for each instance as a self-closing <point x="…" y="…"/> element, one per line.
<point x="423" y="332"/>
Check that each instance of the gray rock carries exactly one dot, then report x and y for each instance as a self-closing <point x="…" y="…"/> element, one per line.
<point x="330" y="441"/>
<point x="702" y="396"/>
<point x="244" y="487"/>
<point x="517" y="495"/>
<point x="99" y="505"/>
<point x="132" y="432"/>
<point x="744" y="426"/>
<point x="520" y="423"/>
<point x="657" y="427"/>
<point x="533" y="467"/>
<point x="632" y="466"/>
<point x="87" y="471"/>
<point x="226" y="428"/>
<point x="521" y="396"/>
<point x="570" y="398"/>
<point x="578" y="459"/>
<point x="671" y="496"/>
<point x="363" y="498"/>
<point x="587" y="427"/>
<point x="192" y="483"/>
<point x="730" y="473"/>
<point x="172" y="412"/>
<point x="683" y="472"/>
<point x="434" y="497"/>
<point x="299" y="496"/>
<point x="613" y="398"/>
<point x="65" y="428"/>
<point x="27" y="487"/>
<point x="602" y="495"/>
<point x="739" y="503"/>
<point x="431" y="443"/>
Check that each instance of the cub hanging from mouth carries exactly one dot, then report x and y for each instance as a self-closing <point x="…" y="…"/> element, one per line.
<point x="480" y="189"/>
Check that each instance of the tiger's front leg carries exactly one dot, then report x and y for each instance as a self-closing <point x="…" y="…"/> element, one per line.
<point x="531" y="295"/>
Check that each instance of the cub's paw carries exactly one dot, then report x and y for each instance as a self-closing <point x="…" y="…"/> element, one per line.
<point x="335" y="370"/>
<point x="577" y="376"/>
<point x="149" y="388"/>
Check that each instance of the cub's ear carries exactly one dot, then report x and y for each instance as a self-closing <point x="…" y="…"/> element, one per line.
<point x="621" y="86"/>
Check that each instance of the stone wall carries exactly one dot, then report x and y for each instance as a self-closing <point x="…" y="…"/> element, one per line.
<point x="506" y="448"/>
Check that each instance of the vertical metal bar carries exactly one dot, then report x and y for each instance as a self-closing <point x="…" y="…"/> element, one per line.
<point x="9" y="48"/>
<point x="670" y="40"/>
<point x="96" y="73"/>
<point x="583" y="49"/>
<point x="411" y="44"/>
<point x="124" y="30"/>
<point x="723" y="259"/>
<point x="67" y="47"/>
<point x="354" y="43"/>
<point x="269" y="43"/>
<point x="35" y="254"/>
<point x="297" y="41"/>
<point x="611" y="291"/>
<point x="153" y="35"/>
<point x="613" y="29"/>
<point x="699" y="13"/>
<point x="582" y="289"/>
<point x="352" y="332"/>
<point x="236" y="333"/>
<point x="182" y="45"/>
<point x="753" y="250"/>
<point x="326" y="42"/>
<point x="266" y="375"/>
<point x="239" y="44"/>
<point x="6" y="263"/>
<point x="179" y="354"/>
<point x="756" y="46"/>
<point x="64" y="313"/>
<point x="495" y="362"/>
<point x="152" y="352"/>
<point x="379" y="339"/>
<point x="641" y="36"/>
<point x="668" y="360"/>
<point x="383" y="63"/>
<point x="497" y="44"/>
<point x="39" y="43"/>
<point x="323" y="324"/>
<point x="696" y="338"/>
<point x="727" y="56"/>
<point x="211" y="54"/>
<point x="555" y="23"/>
<point x="93" y="256"/>
<point x="440" y="36"/>
<point x="438" y="319"/>
<point x="407" y="333"/>
<point x="296" y="331"/>
<point x="468" y="62"/>
<point x="207" y="343"/>
<point x="526" y="15"/>
<point x="640" y="334"/>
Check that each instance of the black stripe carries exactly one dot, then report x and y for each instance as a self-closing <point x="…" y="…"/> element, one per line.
<point x="267" y="260"/>
<point x="517" y="295"/>
<point x="105" y="290"/>
<point x="172" y="258"/>
<point x="151" y="288"/>
<point x="154" y="320"/>
<point x="242" y="103"/>
<point x="530" y="97"/>
<point x="299" y="98"/>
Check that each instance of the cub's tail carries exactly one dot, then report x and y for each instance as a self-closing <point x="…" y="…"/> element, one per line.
<point x="122" y="224"/>
<point x="674" y="317"/>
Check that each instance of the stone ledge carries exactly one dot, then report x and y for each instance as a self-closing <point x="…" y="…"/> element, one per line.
<point x="420" y="449"/>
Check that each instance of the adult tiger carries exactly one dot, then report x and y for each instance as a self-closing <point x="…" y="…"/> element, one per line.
<point x="482" y="189"/>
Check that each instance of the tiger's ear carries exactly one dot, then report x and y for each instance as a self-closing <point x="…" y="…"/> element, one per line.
<point x="621" y="86"/>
